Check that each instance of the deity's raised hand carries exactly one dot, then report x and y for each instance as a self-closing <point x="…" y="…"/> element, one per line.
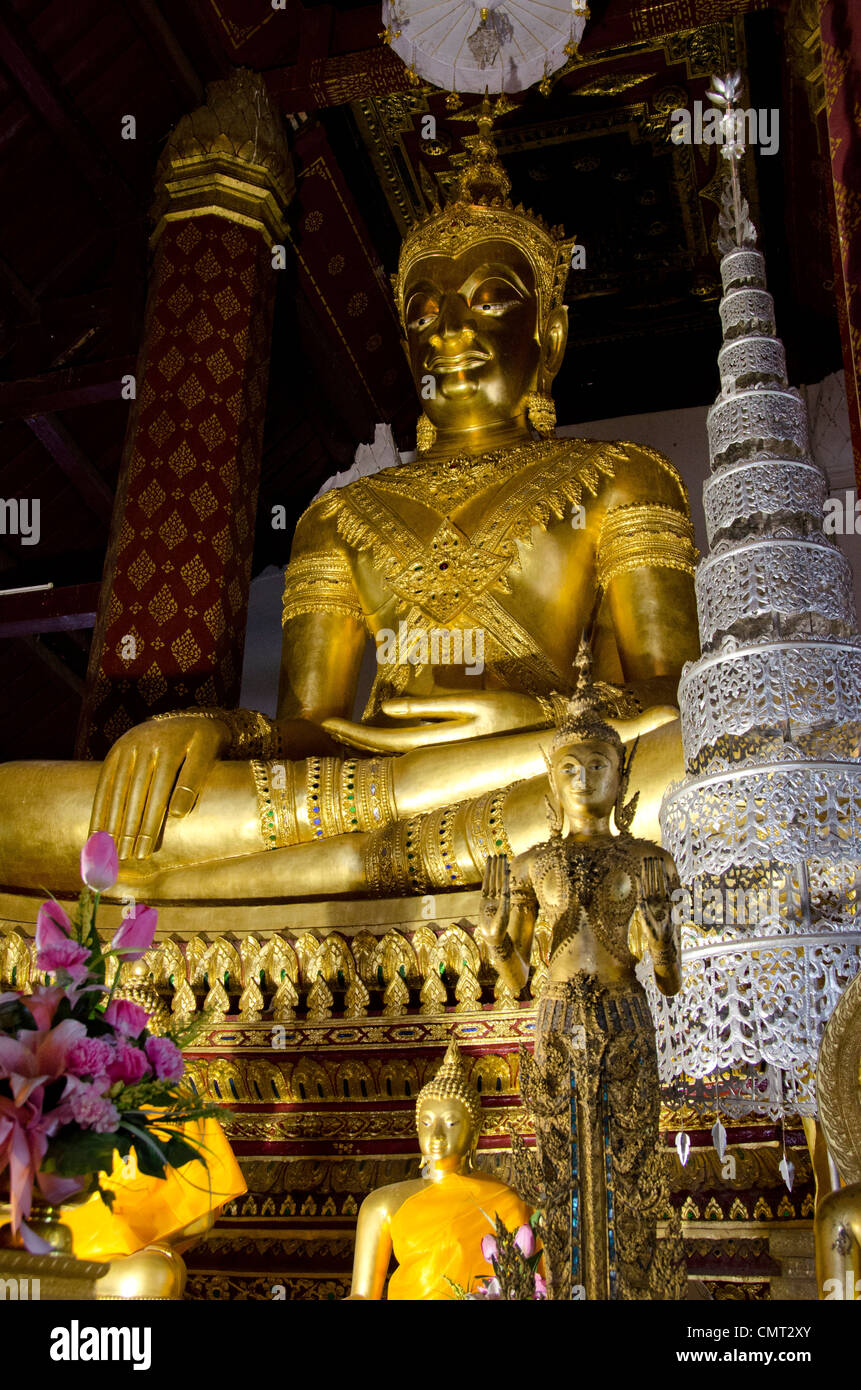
<point x="153" y="770"/>
<point x="495" y="907"/>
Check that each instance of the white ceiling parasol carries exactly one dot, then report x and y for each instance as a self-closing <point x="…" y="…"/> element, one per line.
<point x="500" y="45"/>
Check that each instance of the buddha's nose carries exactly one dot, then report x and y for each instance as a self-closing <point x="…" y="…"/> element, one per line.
<point x="452" y="318"/>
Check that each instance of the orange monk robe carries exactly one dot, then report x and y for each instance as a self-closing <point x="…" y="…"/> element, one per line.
<point x="147" y="1210"/>
<point x="437" y="1233"/>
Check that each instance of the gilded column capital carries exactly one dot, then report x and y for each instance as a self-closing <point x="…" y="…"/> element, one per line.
<point x="228" y="158"/>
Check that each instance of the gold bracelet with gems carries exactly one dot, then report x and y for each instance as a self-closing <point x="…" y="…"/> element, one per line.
<point x="456" y="873"/>
<point x="387" y="859"/>
<point x="349" y="809"/>
<point x="476" y="838"/>
<point x="375" y="798"/>
<point x="282" y="791"/>
<point x="430" y="842"/>
<point x="494" y="825"/>
<point x="265" y="809"/>
<point x="322" y="792"/>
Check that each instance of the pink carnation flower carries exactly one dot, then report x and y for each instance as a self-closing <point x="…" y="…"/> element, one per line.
<point x="165" y="1059"/>
<point x="128" y="1064"/>
<point x="90" y="1057"/>
<point x="126" y="1017"/>
<point x="91" y="1109"/>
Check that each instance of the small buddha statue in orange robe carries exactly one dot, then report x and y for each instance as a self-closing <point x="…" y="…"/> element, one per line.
<point x="435" y="1224"/>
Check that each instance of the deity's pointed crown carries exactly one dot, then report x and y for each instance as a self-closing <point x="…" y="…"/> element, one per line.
<point x="584" y="714"/>
<point x="452" y="1083"/>
<point x="480" y="208"/>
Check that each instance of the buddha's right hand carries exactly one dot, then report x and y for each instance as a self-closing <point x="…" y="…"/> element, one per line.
<point x="495" y="907"/>
<point x="155" y="769"/>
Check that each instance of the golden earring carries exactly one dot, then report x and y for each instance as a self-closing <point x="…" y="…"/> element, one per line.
<point x="541" y="413"/>
<point x="425" y="434"/>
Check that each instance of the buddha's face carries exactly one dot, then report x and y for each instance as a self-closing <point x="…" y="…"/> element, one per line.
<point x="473" y="335"/>
<point x="445" y="1129"/>
<point x="585" y="778"/>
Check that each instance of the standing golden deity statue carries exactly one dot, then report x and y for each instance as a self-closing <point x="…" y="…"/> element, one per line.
<point x="605" y="900"/>
<point x="435" y="1224"/>
<point x="837" y="1224"/>
<point x="501" y="539"/>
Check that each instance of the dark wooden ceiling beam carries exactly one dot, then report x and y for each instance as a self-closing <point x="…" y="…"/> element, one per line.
<point x="55" y="664"/>
<point x="70" y="457"/>
<point x="62" y="390"/>
<point x="167" y="48"/>
<point x="40" y="85"/>
<point x="49" y="610"/>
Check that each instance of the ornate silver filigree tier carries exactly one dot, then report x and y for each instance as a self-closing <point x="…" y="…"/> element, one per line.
<point x="782" y="812"/>
<point x="794" y="686"/>
<point x="748" y="1004"/>
<point x="747" y="311"/>
<point x="742" y="267"/>
<point x="791" y="579"/>
<point x="751" y="361"/>
<point x="757" y="423"/>
<point x="753" y="492"/>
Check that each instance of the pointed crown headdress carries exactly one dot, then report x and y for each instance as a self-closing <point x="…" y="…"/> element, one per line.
<point x="584" y="719"/>
<point x="480" y="208"/>
<point x="452" y="1083"/>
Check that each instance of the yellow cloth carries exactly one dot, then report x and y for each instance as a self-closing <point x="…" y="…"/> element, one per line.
<point x="146" y="1209"/>
<point x="437" y="1233"/>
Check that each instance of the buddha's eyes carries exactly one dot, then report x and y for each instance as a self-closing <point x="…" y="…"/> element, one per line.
<point x="421" y="311"/>
<point x="494" y="296"/>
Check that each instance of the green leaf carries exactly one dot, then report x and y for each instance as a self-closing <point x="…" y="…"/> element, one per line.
<point x="74" y="1151"/>
<point x="180" y="1151"/>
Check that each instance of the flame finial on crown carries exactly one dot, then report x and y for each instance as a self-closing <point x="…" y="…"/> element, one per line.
<point x="480" y="209"/>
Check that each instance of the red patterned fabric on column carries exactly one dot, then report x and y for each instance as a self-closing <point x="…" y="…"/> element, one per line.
<point x="840" y="26"/>
<point x="171" y="625"/>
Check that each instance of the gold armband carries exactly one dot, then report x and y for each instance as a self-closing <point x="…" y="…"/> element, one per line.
<point x="644" y="535"/>
<point x="484" y="828"/>
<point x="252" y="735"/>
<point x="323" y="797"/>
<point x="392" y="859"/>
<point x="368" y="790"/>
<point x="321" y="582"/>
<point x="276" y="803"/>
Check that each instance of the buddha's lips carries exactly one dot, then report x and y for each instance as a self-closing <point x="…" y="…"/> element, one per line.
<point x="461" y="363"/>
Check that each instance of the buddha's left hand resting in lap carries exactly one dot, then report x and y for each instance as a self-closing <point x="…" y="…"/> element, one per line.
<point x="530" y="542"/>
<point x="435" y="1224"/>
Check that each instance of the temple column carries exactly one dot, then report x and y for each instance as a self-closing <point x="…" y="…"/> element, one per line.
<point x="170" y="628"/>
<point x="840" y="29"/>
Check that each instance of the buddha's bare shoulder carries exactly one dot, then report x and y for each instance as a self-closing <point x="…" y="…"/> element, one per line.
<point x="385" y="1201"/>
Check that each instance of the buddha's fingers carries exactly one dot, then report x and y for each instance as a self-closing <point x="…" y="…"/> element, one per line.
<point x="376" y="740"/>
<point x="123" y="773"/>
<point x="134" y="808"/>
<point x="153" y="818"/>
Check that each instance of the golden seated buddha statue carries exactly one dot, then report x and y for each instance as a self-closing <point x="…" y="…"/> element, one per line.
<point x="499" y="539"/>
<point x="435" y="1224"/>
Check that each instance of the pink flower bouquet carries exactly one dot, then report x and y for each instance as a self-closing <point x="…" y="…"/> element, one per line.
<point x="81" y="1076"/>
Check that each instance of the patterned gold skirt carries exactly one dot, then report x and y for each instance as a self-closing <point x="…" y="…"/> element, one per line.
<point x="598" y="1171"/>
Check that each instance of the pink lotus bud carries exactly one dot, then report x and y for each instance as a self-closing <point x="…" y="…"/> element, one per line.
<point x="524" y="1239"/>
<point x="540" y="1287"/>
<point x="99" y="865"/>
<point x="489" y="1247"/>
<point x="134" y="937"/>
<point x="52" y="926"/>
<point x="126" y="1017"/>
